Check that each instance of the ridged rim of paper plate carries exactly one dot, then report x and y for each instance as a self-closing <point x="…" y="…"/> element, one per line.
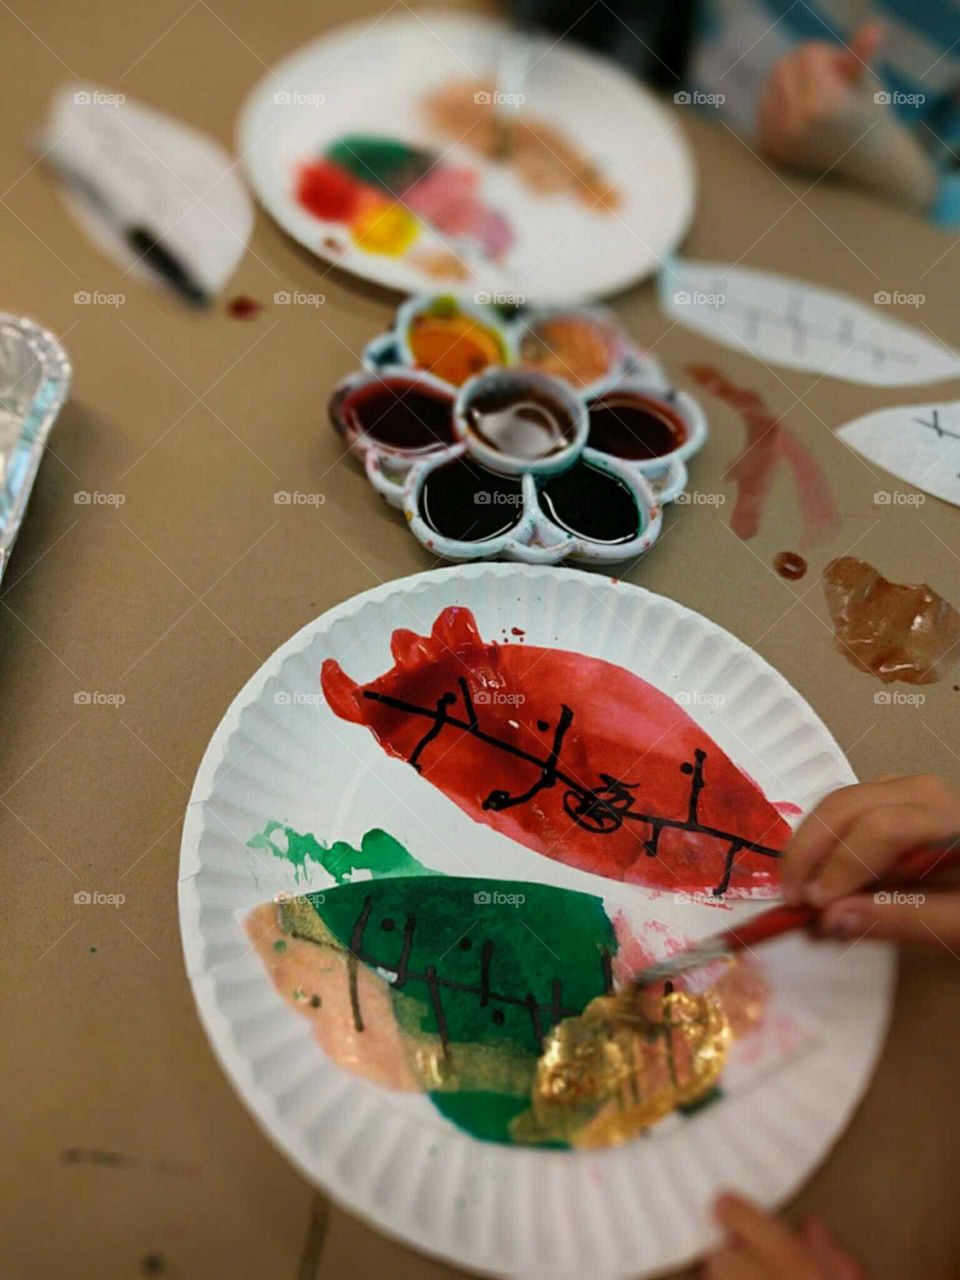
<point x="630" y="1211"/>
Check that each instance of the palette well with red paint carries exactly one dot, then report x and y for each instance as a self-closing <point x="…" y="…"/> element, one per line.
<point x="517" y="433"/>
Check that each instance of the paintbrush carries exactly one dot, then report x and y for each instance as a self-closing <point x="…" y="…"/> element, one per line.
<point x="514" y="57"/>
<point x="909" y="870"/>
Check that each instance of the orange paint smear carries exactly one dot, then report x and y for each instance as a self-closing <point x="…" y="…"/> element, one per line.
<point x="314" y="980"/>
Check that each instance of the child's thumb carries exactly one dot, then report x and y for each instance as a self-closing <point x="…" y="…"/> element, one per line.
<point x="863" y="48"/>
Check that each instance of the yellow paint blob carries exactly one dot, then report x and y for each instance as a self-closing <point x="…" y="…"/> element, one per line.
<point x="385" y="227"/>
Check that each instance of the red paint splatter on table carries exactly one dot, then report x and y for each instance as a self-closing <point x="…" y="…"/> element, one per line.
<point x="576" y="758"/>
<point x="769" y="443"/>
<point x="243" y="308"/>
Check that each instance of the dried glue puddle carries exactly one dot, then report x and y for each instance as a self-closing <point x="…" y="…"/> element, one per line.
<point x="891" y="630"/>
<point x="459" y="987"/>
<point x="574" y="757"/>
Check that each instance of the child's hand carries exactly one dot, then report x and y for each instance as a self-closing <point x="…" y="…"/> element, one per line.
<point x="818" y="111"/>
<point x="855" y="836"/>
<point x="815" y="103"/>
<point x="761" y="1247"/>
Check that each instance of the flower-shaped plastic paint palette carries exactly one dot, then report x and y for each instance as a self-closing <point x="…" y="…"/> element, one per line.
<point x="536" y="436"/>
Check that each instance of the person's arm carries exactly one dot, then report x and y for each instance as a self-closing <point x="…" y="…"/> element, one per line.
<point x="821" y="110"/>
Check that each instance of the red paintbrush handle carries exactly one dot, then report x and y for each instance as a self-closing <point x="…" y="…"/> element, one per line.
<point x="913" y="866"/>
<point x="768" y="924"/>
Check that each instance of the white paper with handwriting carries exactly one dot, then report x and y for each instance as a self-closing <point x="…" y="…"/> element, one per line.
<point x="920" y="443"/>
<point x="788" y="322"/>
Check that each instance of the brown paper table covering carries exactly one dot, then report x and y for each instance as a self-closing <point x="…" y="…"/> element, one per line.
<point x="125" y="1151"/>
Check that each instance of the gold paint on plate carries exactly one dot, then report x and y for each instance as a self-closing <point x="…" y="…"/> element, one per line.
<point x="625" y="1063"/>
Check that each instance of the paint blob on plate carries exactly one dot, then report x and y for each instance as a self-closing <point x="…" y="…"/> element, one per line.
<point x="463" y="988"/>
<point x="385" y="191"/>
<point x="576" y="758"/>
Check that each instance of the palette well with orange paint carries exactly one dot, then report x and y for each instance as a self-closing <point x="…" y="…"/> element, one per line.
<point x="518" y="433"/>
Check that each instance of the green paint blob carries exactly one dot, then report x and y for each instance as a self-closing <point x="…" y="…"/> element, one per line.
<point x="379" y="853"/>
<point x="485" y="1115"/>
<point x="279" y="945"/>
<point x="485" y="966"/>
<point x="381" y="161"/>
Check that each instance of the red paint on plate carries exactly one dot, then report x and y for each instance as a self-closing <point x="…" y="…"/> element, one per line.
<point x="572" y="756"/>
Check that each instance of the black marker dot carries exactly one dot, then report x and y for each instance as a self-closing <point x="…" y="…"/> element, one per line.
<point x="314" y="1002"/>
<point x="543" y="725"/>
<point x="152" y="1264"/>
<point x="498" y="1017"/>
<point x="686" y="768"/>
<point x="388" y="925"/>
<point x="465" y="944"/>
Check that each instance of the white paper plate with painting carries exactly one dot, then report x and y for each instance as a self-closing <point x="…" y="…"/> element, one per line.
<point x="454" y="812"/>
<point x="386" y="147"/>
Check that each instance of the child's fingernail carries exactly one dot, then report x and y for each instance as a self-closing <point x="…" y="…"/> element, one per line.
<point x="845" y="924"/>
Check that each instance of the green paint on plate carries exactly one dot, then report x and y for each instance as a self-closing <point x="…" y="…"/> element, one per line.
<point x="379" y="853"/>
